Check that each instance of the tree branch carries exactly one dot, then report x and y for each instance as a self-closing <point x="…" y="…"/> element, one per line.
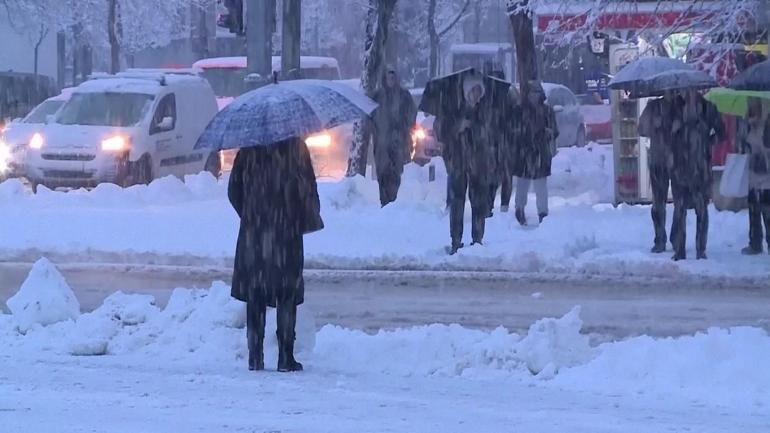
<point x="457" y="19"/>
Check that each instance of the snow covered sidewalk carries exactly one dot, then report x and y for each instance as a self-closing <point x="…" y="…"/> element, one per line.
<point x="170" y="222"/>
<point x="129" y="366"/>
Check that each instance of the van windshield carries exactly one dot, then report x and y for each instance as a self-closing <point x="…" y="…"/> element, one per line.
<point x="105" y="109"/>
<point x="42" y="111"/>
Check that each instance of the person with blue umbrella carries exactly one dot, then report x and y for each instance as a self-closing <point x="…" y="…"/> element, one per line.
<point x="273" y="190"/>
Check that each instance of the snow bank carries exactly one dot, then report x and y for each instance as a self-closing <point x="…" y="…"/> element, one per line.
<point x="721" y="366"/>
<point x="191" y="223"/>
<point x="43" y="299"/>
<point x="204" y="330"/>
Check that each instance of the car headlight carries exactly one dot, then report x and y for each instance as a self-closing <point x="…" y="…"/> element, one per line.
<point x="319" y="141"/>
<point x="420" y="133"/>
<point x="115" y="144"/>
<point x="37" y="141"/>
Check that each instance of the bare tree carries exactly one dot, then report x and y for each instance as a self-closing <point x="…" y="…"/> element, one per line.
<point x="113" y="34"/>
<point x="41" y="35"/>
<point x="436" y="35"/>
<point x="377" y="22"/>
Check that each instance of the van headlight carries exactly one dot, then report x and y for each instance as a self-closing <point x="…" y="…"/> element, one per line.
<point x="37" y="141"/>
<point x="319" y="141"/>
<point x="117" y="143"/>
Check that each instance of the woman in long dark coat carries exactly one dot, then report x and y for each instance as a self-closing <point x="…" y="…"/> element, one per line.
<point x="274" y="192"/>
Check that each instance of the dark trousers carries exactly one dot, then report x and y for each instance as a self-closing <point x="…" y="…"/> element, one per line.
<point x="685" y="198"/>
<point x="505" y="185"/>
<point x="255" y="326"/>
<point x="461" y="184"/>
<point x="660" y="180"/>
<point x="390" y="182"/>
<point x="759" y="214"/>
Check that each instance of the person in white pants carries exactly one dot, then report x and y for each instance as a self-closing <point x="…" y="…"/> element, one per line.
<point x="536" y="149"/>
<point x="541" y="194"/>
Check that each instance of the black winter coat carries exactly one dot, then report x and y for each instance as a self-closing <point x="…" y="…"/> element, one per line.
<point x="537" y="145"/>
<point x="465" y="151"/>
<point x="274" y="192"/>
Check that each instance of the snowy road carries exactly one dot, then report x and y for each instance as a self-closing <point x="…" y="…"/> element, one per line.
<point x="612" y="307"/>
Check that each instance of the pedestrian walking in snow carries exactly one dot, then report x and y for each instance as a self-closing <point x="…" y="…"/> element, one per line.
<point x="657" y="122"/>
<point x="757" y="145"/>
<point x="393" y="122"/>
<point x="691" y="176"/>
<point x="466" y="156"/>
<point x="535" y="151"/>
<point x="273" y="190"/>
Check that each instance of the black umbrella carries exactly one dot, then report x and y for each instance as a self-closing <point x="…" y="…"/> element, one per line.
<point x="446" y="93"/>
<point x="755" y="78"/>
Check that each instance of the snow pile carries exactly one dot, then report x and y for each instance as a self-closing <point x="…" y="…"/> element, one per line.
<point x="204" y="330"/>
<point x="197" y="326"/>
<point x="11" y="189"/>
<point x="721" y="366"/>
<point x="551" y="345"/>
<point x="43" y="299"/>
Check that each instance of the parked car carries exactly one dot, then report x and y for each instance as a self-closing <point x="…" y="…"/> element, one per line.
<point x="16" y="135"/>
<point x="598" y="118"/>
<point x="569" y="118"/>
<point x="127" y="128"/>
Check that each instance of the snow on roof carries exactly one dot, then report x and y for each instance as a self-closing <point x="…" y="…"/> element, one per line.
<point x="481" y="48"/>
<point x="64" y="95"/>
<point x="146" y="83"/>
<point x="239" y="62"/>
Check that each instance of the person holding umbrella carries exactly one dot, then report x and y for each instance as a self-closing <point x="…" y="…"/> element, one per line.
<point x="273" y="190"/>
<point x="467" y="160"/>
<point x="659" y="121"/>
<point x="691" y="175"/>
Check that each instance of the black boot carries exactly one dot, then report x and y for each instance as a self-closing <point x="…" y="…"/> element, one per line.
<point x="542" y="217"/>
<point x="287" y="321"/>
<point x="255" y="335"/>
<point x="455" y="247"/>
<point x="521" y="217"/>
<point x="680" y="255"/>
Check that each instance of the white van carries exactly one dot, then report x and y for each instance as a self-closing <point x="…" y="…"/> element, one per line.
<point x="126" y="129"/>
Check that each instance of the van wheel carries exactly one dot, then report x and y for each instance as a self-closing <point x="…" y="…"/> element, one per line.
<point x="139" y="172"/>
<point x="213" y="165"/>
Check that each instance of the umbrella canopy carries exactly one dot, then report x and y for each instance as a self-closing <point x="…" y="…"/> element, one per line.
<point x="635" y="74"/>
<point x="657" y="84"/>
<point x="277" y="112"/>
<point x="756" y="77"/>
<point x="735" y="102"/>
<point x="447" y="92"/>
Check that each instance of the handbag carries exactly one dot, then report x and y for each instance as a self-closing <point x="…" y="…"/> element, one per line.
<point x="735" y="178"/>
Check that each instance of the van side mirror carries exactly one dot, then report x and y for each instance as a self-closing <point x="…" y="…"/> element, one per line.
<point x="167" y="124"/>
<point x="49" y="118"/>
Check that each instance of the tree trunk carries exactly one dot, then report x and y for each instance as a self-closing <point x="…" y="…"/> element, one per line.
<point x="377" y="22"/>
<point x="112" y="33"/>
<point x="434" y="40"/>
<point x="61" y="58"/>
<point x="524" y="38"/>
<point x="291" y="36"/>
